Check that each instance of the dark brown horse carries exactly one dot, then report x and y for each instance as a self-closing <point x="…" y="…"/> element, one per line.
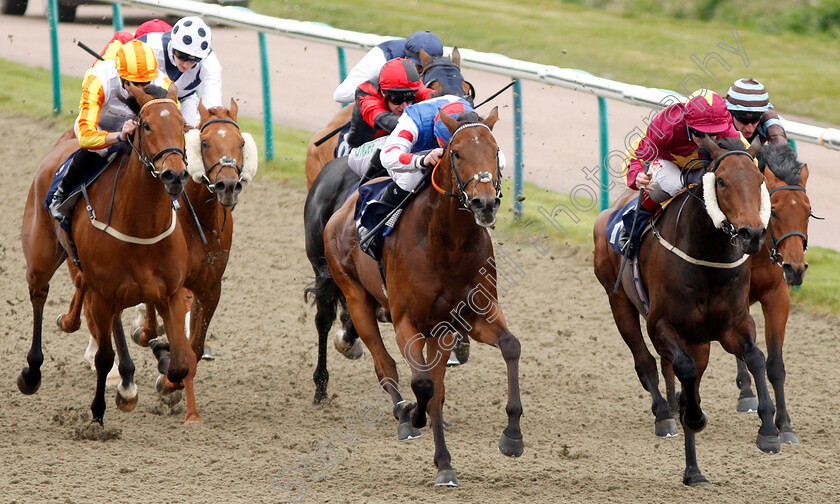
<point x="140" y="255"/>
<point x="441" y="74"/>
<point x="697" y="280"/>
<point x="434" y="265"/>
<point x="221" y="160"/>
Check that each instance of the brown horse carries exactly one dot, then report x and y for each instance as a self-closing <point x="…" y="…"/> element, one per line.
<point x="140" y="255"/>
<point x="434" y="259"/>
<point x="221" y="160"/>
<point x="697" y="289"/>
<point x="437" y="74"/>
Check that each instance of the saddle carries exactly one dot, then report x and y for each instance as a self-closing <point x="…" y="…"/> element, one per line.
<point x="374" y="219"/>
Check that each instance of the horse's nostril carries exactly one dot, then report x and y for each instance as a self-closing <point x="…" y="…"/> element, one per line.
<point x="219" y="187"/>
<point x="805" y="268"/>
<point x="167" y="177"/>
<point x="237" y="188"/>
<point x="476" y="203"/>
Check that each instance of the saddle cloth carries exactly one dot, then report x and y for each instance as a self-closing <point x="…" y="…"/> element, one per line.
<point x="370" y="212"/>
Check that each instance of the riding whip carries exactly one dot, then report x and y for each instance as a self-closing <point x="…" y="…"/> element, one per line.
<point x="88" y="49"/>
<point x="330" y="134"/>
<point x="497" y="93"/>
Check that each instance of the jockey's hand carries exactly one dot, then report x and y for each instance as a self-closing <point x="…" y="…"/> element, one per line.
<point x="128" y="128"/>
<point x="642" y="179"/>
<point x="433" y="157"/>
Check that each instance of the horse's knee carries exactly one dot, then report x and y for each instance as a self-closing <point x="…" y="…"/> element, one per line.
<point x="775" y="369"/>
<point x="509" y="346"/>
<point x="684" y="368"/>
<point x="423" y="386"/>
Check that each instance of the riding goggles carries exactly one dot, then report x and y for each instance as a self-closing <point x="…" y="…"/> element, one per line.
<point x="700" y="134"/>
<point x="187" y="58"/>
<point x="746" y="117"/>
<point x="401" y="97"/>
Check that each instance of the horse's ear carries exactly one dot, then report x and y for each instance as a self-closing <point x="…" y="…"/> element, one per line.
<point x="234" y="109"/>
<point x="491" y="118"/>
<point x="770" y="177"/>
<point x="425" y="59"/>
<point x="202" y="111"/>
<point x="138" y="93"/>
<point x="714" y="151"/>
<point x="755" y="146"/>
<point x="450" y="122"/>
<point x="456" y="56"/>
<point x="173" y="92"/>
<point x="803" y="174"/>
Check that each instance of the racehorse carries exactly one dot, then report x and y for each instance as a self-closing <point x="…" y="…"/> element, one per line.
<point x="221" y="159"/>
<point x="780" y="265"/>
<point x="140" y="255"/>
<point x="697" y="291"/>
<point x="441" y="74"/>
<point x="432" y="260"/>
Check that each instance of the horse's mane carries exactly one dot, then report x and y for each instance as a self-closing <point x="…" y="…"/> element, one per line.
<point x="730" y="144"/>
<point x="468" y="117"/>
<point x="781" y="158"/>
<point x="156" y="91"/>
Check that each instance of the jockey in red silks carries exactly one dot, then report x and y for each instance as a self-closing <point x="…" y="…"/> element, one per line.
<point x="122" y="36"/>
<point x="753" y="114"/>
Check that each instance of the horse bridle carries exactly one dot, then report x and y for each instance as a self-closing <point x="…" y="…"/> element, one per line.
<point x="478" y="178"/>
<point x="225" y="160"/>
<point x="445" y="63"/>
<point x="775" y="253"/>
<point x="727" y="226"/>
<point x="164" y="153"/>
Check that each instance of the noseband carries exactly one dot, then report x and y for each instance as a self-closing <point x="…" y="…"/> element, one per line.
<point x="478" y="178"/>
<point x="225" y="160"/>
<point x="724" y="225"/>
<point x="444" y="64"/>
<point x="149" y="163"/>
<point x="775" y="253"/>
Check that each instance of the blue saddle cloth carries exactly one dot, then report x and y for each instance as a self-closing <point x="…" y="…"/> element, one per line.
<point x="369" y="213"/>
<point x="623" y="218"/>
<point x="74" y="195"/>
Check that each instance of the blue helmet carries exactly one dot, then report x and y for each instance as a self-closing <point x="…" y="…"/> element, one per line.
<point x="425" y="40"/>
<point x="453" y="109"/>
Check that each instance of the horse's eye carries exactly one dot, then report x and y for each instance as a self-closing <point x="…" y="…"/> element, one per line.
<point x="773" y="212"/>
<point x="455" y="154"/>
<point x="721" y="183"/>
<point x="204" y="144"/>
<point x="146" y="126"/>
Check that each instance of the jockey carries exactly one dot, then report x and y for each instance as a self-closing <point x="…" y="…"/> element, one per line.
<point x="671" y="144"/>
<point x="121" y="37"/>
<point x="369" y="66"/>
<point x="417" y="143"/>
<point x="380" y="102"/>
<point x="186" y="57"/>
<point x="106" y="115"/>
<point x="752" y="113"/>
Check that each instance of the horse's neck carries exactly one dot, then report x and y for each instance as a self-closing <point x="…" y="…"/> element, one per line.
<point x="694" y="233"/>
<point x="140" y="203"/>
<point x="451" y="226"/>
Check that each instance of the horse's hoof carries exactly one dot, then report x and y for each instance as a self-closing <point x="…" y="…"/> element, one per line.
<point x="208" y="354"/>
<point x="193" y="419"/>
<point x="511" y="447"/>
<point x="135" y="336"/>
<point x="446" y="477"/>
<point x="350" y="350"/>
<point x="768" y="444"/>
<point x="696" y="425"/>
<point x="24" y="386"/>
<point x="407" y="432"/>
<point x="695" y="479"/>
<point x="788" y="437"/>
<point x="159" y="384"/>
<point x="126" y="405"/>
<point x="747" y="405"/>
<point x="453" y="360"/>
<point x="319" y="397"/>
<point x="666" y="428"/>
<point x="58" y="321"/>
<point x="462" y="350"/>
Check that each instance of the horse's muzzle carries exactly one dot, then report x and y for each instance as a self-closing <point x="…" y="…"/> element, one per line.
<point x="485" y="211"/>
<point x="751" y="239"/>
<point x="174" y="182"/>
<point x="227" y="191"/>
<point x="794" y="273"/>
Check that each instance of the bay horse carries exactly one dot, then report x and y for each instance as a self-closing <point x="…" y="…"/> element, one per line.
<point x="433" y="260"/>
<point x="140" y="255"/>
<point x="697" y="290"/>
<point x="441" y="74"/>
<point x="221" y="159"/>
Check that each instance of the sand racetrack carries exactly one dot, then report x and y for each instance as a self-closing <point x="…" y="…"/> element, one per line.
<point x="587" y="424"/>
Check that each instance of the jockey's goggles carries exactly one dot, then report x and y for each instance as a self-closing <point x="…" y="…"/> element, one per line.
<point x="399" y="98"/>
<point x="746" y="117"/>
<point x="187" y="58"/>
<point x="700" y="134"/>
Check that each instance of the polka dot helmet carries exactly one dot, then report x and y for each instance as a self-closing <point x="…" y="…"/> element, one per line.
<point x="191" y="35"/>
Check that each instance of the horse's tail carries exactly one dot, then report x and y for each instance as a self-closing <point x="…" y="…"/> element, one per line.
<point x="323" y="291"/>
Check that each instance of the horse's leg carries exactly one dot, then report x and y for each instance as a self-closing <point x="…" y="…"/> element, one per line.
<point x="326" y="299"/>
<point x="666" y="341"/>
<point x="126" y="390"/>
<point x="775" y="321"/>
<point x="497" y="334"/>
<point x="102" y="315"/>
<point x="347" y="340"/>
<point x="411" y="342"/>
<point x="747" y="402"/>
<point x="72" y="320"/>
<point x="740" y="341"/>
<point x="182" y="360"/>
<point x="667" y="368"/>
<point x="627" y="320"/>
<point x="446" y="475"/>
<point x="699" y="355"/>
<point x="149" y="329"/>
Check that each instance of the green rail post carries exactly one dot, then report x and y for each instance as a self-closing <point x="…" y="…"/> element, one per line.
<point x="118" y="17"/>
<point x="517" y="149"/>
<point x="603" y="126"/>
<point x="342" y="65"/>
<point x="792" y="144"/>
<point x="267" y="126"/>
<point x="52" y="19"/>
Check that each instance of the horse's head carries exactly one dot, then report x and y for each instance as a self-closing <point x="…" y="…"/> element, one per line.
<point x="220" y="155"/>
<point x="159" y="138"/>
<point x="735" y="195"/>
<point x="473" y="158"/>
<point x="444" y="75"/>
<point x="790" y="209"/>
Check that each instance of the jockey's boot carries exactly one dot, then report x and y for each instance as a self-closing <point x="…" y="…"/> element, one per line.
<point x="75" y="175"/>
<point x="394" y="195"/>
<point x="375" y="169"/>
<point x="642" y="215"/>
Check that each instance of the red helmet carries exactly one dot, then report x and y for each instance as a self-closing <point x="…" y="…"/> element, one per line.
<point x="706" y="111"/>
<point x="400" y="76"/>
<point x="152" y="26"/>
